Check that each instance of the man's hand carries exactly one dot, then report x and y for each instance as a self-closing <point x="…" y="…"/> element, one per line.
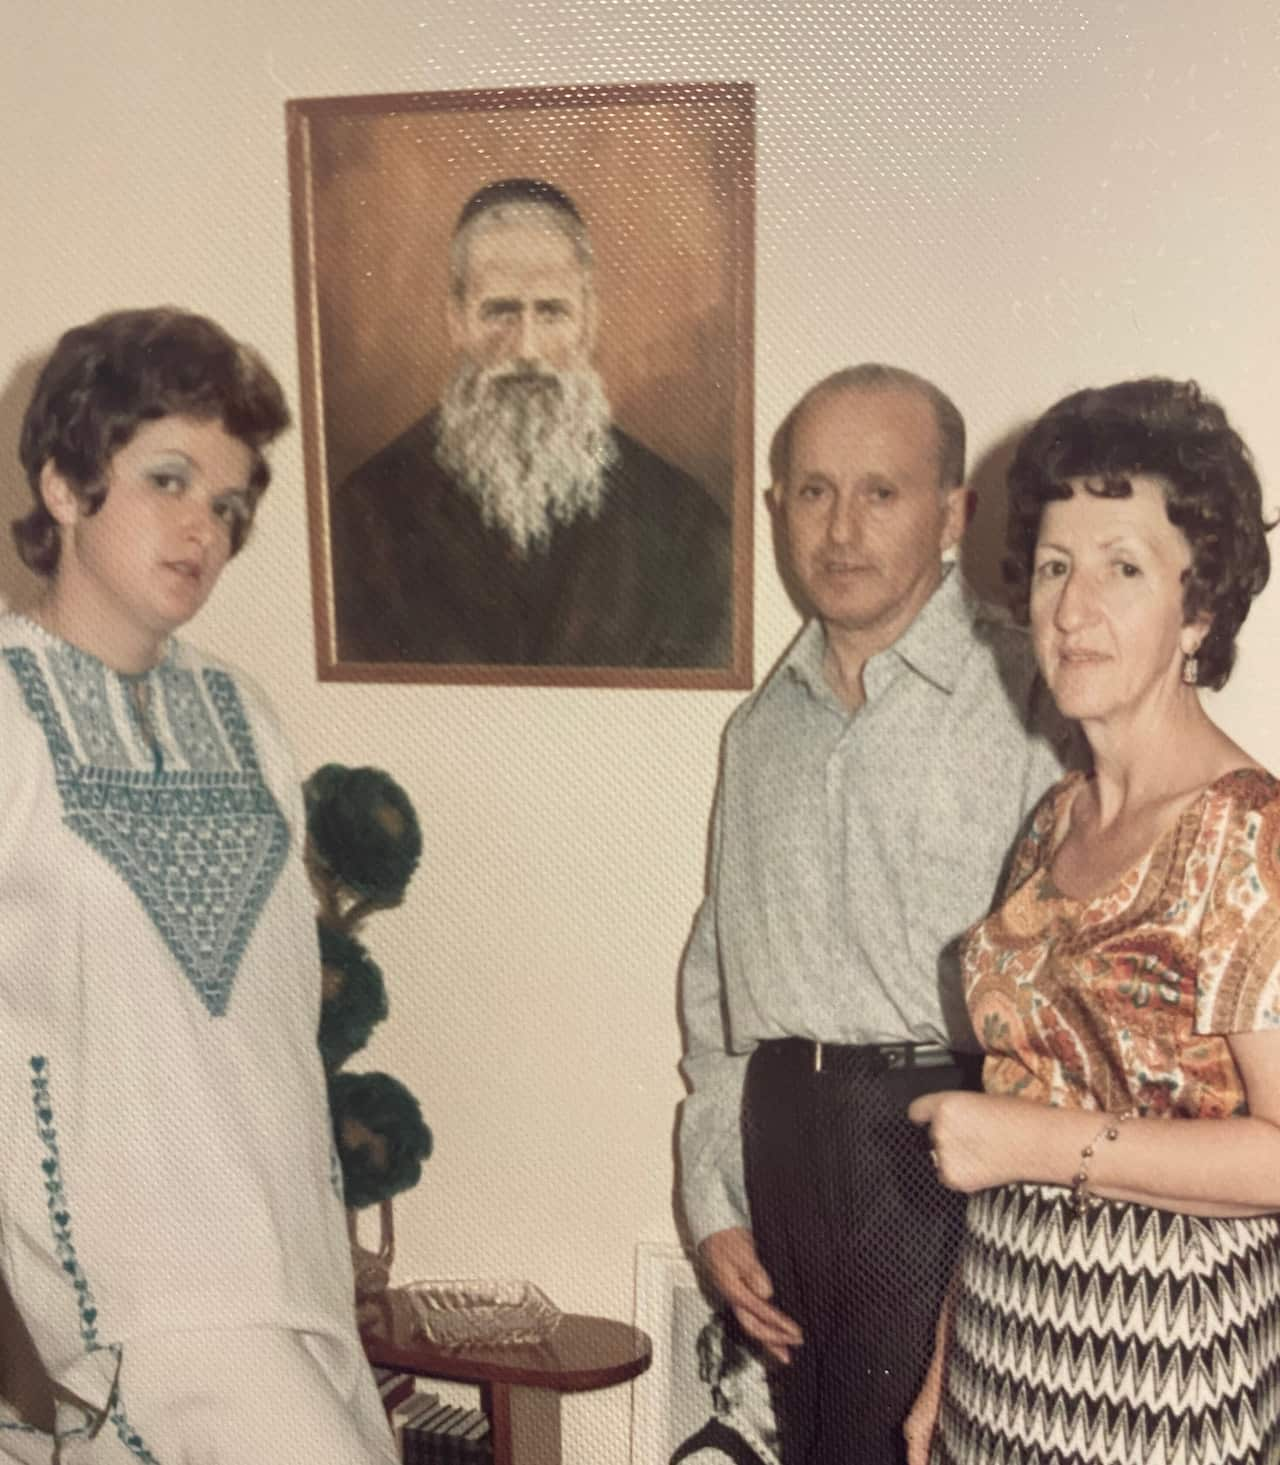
<point x="735" y="1271"/>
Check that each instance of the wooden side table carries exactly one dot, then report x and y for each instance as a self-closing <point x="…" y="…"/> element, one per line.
<point x="520" y="1385"/>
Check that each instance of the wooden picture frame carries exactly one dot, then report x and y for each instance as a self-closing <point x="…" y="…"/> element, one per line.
<point x="413" y="578"/>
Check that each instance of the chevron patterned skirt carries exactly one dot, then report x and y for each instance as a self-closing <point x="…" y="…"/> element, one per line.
<point x="1131" y="1336"/>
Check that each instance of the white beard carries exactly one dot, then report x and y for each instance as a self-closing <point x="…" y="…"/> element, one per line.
<point x="531" y="445"/>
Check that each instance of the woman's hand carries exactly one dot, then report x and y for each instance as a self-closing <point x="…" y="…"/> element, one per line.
<point x="977" y="1140"/>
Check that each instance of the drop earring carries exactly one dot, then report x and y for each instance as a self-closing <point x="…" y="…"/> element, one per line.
<point x="1191" y="670"/>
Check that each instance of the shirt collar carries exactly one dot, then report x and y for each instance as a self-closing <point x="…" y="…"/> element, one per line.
<point x="804" y="661"/>
<point x="934" y="645"/>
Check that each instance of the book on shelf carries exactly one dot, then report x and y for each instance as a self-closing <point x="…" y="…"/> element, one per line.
<point x="393" y="1386"/>
<point x="418" y="1408"/>
<point x="476" y="1444"/>
<point x="470" y="1438"/>
<point x="421" y="1437"/>
<point x="449" y="1435"/>
<point x="451" y="1438"/>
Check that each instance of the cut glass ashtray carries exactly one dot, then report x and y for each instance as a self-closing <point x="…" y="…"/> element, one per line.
<point x="481" y="1314"/>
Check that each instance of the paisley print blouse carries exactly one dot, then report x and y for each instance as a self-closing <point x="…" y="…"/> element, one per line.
<point x="1127" y="998"/>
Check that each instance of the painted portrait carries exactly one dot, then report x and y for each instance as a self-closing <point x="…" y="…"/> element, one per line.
<point x="525" y="331"/>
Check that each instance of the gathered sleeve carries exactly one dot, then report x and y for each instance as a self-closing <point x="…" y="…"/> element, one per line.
<point x="1238" y="973"/>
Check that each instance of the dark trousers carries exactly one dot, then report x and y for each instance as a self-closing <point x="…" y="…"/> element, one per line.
<point x="857" y="1235"/>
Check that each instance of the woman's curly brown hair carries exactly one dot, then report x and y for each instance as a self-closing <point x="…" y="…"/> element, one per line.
<point x="106" y="378"/>
<point x="1169" y="430"/>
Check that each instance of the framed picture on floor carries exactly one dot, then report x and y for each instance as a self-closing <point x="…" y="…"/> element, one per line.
<point x="706" y="1392"/>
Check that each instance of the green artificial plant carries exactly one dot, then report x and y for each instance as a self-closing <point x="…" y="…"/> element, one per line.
<point x="363" y="845"/>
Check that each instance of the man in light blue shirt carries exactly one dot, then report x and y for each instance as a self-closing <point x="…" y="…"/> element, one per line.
<point x="870" y="791"/>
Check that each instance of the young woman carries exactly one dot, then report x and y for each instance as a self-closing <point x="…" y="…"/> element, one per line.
<point x="1119" y="1293"/>
<point x="171" y="1233"/>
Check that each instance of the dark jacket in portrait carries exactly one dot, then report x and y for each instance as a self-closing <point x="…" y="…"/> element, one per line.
<point x="419" y="577"/>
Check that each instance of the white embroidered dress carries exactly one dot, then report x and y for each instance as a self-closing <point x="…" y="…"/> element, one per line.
<point x="167" y="1166"/>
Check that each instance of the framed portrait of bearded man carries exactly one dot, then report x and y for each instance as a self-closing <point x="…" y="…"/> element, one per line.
<point x="525" y="329"/>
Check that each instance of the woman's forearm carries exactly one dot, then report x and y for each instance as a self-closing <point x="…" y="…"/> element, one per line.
<point x="1209" y="1167"/>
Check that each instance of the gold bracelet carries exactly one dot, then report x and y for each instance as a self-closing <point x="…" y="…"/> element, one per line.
<point x="1081" y="1196"/>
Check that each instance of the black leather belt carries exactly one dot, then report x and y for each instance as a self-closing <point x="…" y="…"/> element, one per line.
<point x="864" y="1057"/>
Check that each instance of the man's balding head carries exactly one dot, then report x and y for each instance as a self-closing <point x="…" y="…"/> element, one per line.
<point x="873" y="376"/>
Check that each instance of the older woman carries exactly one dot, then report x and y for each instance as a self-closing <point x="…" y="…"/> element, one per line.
<point x="170" y="1230"/>
<point x="1118" y="1298"/>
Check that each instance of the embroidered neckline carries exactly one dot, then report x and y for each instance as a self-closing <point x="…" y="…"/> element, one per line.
<point x="200" y="846"/>
<point x="54" y="642"/>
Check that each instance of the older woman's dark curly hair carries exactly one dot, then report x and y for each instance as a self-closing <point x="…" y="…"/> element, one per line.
<point x="106" y="378"/>
<point x="1171" y="431"/>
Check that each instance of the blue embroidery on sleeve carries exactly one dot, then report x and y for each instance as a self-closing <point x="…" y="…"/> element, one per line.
<point x="64" y="1249"/>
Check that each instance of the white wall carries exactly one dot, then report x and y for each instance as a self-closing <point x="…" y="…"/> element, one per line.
<point x="1013" y="196"/>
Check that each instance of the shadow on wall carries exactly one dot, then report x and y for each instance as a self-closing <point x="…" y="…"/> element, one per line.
<point x="17" y="583"/>
<point x="982" y="549"/>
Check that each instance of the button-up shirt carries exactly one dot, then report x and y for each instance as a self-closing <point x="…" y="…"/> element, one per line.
<point x="849" y="852"/>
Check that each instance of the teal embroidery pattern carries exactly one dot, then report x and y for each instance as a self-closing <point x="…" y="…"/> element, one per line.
<point x="225" y="698"/>
<point x="189" y="718"/>
<point x="65" y="1251"/>
<point x="200" y="848"/>
<point x="82" y="680"/>
<point x="18" y="1427"/>
<point x="129" y="1437"/>
<point x="59" y="1216"/>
